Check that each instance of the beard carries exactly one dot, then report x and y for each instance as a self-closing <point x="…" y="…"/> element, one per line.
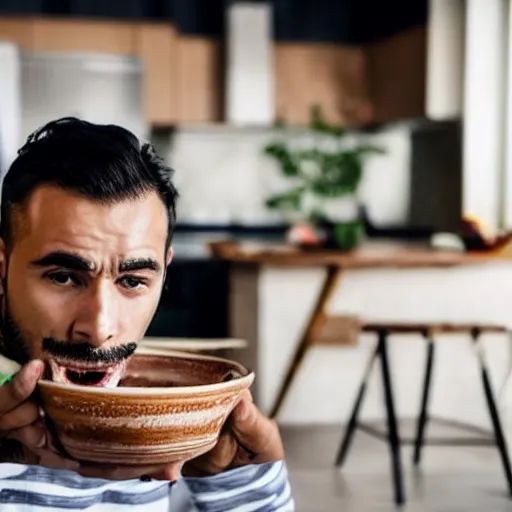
<point x="84" y="353"/>
<point x="12" y="343"/>
<point x="16" y="347"/>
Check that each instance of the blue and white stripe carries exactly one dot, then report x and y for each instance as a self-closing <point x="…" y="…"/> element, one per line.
<point x="252" y="488"/>
<point x="247" y="489"/>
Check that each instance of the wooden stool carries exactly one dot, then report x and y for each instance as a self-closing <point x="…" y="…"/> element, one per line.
<point x="428" y="331"/>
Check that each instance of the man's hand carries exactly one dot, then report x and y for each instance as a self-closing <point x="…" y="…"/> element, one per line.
<point x="169" y="472"/>
<point x="21" y="421"/>
<point x="248" y="437"/>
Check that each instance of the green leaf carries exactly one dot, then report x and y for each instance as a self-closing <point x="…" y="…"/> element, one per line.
<point x="290" y="200"/>
<point x="369" y="150"/>
<point x="319" y="125"/>
<point x="317" y="216"/>
<point x="342" y="173"/>
<point x="326" y="189"/>
<point x="280" y="123"/>
<point x="316" y="115"/>
<point x="311" y="154"/>
<point x="284" y="157"/>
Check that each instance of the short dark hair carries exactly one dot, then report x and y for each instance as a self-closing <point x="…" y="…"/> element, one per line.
<point x="105" y="163"/>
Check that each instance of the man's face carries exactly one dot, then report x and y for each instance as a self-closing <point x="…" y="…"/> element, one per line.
<point x="83" y="280"/>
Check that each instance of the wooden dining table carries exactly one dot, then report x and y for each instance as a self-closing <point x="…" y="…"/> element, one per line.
<point x="248" y="258"/>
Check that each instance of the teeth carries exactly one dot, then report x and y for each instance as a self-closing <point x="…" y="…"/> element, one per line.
<point x="111" y="379"/>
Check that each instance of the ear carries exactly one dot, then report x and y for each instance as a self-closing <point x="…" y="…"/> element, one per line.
<point x="170" y="254"/>
<point x="3" y="259"/>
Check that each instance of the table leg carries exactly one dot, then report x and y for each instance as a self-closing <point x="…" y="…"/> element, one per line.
<point x="244" y="319"/>
<point x="308" y="338"/>
<point x="501" y="441"/>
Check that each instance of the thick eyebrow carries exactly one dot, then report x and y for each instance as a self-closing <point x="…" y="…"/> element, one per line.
<point x="72" y="261"/>
<point x="65" y="260"/>
<point x="139" y="264"/>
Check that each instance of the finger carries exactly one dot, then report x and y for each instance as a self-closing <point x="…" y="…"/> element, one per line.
<point x="21" y="387"/>
<point x="111" y="472"/>
<point x="256" y="433"/>
<point x="50" y="459"/>
<point x="245" y="396"/>
<point x="22" y="416"/>
<point x="216" y="460"/>
<point x="32" y="436"/>
<point x="170" y="473"/>
<point x="222" y="454"/>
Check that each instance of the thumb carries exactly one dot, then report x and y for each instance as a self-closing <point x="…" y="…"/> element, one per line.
<point x="255" y="432"/>
<point x="171" y="472"/>
<point x="21" y="386"/>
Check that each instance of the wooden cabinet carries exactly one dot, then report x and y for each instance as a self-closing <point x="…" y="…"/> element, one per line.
<point x="355" y="85"/>
<point x="157" y="47"/>
<point x="154" y="44"/>
<point x="17" y="30"/>
<point x="184" y="75"/>
<point x="331" y="76"/>
<point x="69" y="35"/>
<point x="63" y="35"/>
<point x="199" y="75"/>
<point x="397" y="75"/>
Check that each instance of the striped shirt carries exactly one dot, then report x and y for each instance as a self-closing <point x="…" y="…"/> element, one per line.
<point x="262" y="487"/>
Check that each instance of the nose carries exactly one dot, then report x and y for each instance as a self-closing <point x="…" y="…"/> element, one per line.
<point x="97" y="320"/>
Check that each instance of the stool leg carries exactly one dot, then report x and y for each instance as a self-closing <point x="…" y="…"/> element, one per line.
<point x="308" y="338"/>
<point x="493" y="411"/>
<point x="352" y="424"/>
<point x="393" y="437"/>
<point x="423" y="418"/>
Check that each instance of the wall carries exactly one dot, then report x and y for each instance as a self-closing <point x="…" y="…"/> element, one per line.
<point x="224" y="178"/>
<point x="10" y="105"/>
<point x="484" y="109"/>
<point x="325" y="388"/>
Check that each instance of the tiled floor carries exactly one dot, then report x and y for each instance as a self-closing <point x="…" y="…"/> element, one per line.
<point x="451" y="479"/>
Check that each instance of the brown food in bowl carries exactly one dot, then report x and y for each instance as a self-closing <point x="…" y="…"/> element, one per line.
<point x="155" y="371"/>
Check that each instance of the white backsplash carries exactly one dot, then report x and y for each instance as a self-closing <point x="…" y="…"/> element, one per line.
<point x="223" y="177"/>
<point x="10" y="105"/>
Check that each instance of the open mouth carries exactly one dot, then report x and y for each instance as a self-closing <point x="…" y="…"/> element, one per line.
<point x="86" y="378"/>
<point x="65" y="372"/>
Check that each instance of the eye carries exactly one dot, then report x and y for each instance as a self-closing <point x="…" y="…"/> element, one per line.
<point x="62" y="278"/>
<point x="132" y="282"/>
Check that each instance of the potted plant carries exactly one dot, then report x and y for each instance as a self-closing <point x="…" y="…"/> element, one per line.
<point x="325" y="178"/>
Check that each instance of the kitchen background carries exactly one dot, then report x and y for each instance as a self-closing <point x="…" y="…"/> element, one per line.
<point x="207" y="81"/>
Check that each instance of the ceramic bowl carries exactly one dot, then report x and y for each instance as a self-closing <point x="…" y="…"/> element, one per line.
<point x="169" y="407"/>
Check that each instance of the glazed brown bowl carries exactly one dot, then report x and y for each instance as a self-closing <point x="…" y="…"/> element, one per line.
<point x="169" y="407"/>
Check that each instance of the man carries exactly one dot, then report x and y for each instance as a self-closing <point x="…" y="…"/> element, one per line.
<point x="87" y="215"/>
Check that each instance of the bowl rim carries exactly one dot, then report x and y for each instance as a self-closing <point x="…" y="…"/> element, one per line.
<point x="246" y="379"/>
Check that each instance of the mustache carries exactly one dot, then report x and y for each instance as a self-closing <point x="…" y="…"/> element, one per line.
<point x="87" y="353"/>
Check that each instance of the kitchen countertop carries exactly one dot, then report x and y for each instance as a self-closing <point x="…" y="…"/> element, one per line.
<point x="370" y="254"/>
<point x="195" y="245"/>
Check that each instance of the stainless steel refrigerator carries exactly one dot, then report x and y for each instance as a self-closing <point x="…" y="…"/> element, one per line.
<point x="38" y="87"/>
